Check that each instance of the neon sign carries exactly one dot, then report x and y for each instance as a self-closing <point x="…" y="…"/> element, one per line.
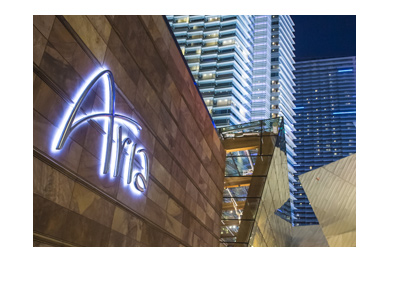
<point x="139" y="180"/>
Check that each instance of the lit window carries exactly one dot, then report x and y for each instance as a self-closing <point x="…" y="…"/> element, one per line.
<point x="316" y="90"/>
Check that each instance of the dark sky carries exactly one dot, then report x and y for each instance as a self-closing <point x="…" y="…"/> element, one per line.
<point x="324" y="36"/>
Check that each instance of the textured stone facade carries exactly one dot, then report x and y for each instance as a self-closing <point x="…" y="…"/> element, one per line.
<point x="73" y="204"/>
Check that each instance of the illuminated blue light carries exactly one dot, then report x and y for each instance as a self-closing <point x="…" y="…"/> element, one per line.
<point x="346" y="70"/>
<point x="70" y="122"/>
<point x="299" y="107"/>
<point x="64" y="119"/>
<point x="344" y="112"/>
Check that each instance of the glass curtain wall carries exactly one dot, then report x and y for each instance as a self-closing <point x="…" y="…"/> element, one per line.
<point x="250" y="149"/>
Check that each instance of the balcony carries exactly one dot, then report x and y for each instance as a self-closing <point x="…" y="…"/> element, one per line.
<point x="196" y="44"/>
<point x="228" y="27"/>
<point x="211" y="28"/>
<point x="179" y="29"/>
<point x="200" y="20"/>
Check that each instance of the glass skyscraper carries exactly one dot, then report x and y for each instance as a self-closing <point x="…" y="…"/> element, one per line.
<point x="243" y="67"/>
<point x="326" y="120"/>
<point x="219" y="52"/>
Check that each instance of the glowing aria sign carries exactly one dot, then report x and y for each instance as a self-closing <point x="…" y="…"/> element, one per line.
<point x="139" y="180"/>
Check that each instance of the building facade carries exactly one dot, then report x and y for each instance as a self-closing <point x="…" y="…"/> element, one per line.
<point x="218" y="50"/>
<point x="126" y="154"/>
<point x="332" y="191"/>
<point x="326" y="120"/>
<point x="124" y="151"/>
<point x="243" y="67"/>
<point x="256" y="184"/>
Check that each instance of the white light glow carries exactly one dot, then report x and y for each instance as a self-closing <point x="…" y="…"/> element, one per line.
<point x="126" y="122"/>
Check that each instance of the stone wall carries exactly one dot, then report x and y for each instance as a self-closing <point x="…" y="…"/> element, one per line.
<point x="73" y="205"/>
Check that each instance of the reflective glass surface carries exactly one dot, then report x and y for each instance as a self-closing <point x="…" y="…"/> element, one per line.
<point x="237" y="192"/>
<point x="251" y="148"/>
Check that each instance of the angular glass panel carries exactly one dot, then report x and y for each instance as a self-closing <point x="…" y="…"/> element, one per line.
<point x="246" y="175"/>
<point x="230" y="168"/>
<point x="248" y="208"/>
<point x="238" y="244"/>
<point x="262" y="165"/>
<point x="237" y="192"/>
<point x="236" y="230"/>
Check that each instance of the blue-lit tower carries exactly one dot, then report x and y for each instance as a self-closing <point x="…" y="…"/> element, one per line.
<point x="325" y="120"/>
<point x="219" y="52"/>
<point x="243" y="66"/>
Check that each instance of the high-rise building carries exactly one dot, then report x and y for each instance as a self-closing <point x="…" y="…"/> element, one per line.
<point x="219" y="52"/>
<point x="326" y="120"/>
<point x="243" y="67"/>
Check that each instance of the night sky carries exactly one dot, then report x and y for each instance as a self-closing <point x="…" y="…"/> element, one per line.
<point x="324" y="36"/>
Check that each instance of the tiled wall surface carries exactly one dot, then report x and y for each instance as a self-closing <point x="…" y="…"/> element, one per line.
<point x="72" y="203"/>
